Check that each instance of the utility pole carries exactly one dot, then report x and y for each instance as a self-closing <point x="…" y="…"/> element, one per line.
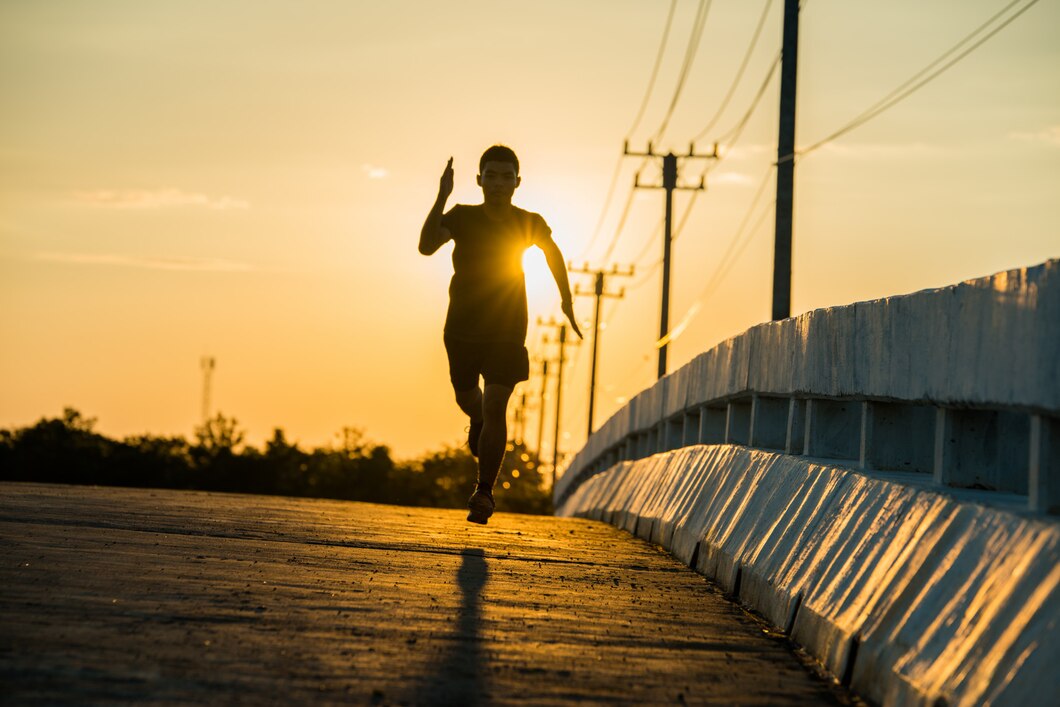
<point x="785" y="164"/>
<point x="562" y="341"/>
<point x="599" y="293"/>
<point x="541" y="410"/>
<point x="530" y="408"/>
<point x="669" y="175"/>
<point x="207" y="364"/>
<point x="519" y="428"/>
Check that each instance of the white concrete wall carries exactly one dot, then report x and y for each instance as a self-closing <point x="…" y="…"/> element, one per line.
<point x="908" y="593"/>
<point x="991" y="344"/>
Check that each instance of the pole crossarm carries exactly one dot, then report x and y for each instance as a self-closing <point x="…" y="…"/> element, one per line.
<point x="669" y="184"/>
<point x="598" y="292"/>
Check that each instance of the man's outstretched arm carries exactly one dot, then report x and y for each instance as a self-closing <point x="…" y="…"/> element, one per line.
<point x="433" y="234"/>
<point x="554" y="258"/>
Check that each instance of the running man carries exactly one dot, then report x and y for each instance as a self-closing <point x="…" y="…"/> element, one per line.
<point x="485" y="328"/>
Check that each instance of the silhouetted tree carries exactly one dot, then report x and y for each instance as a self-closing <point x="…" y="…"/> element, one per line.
<point x="67" y="449"/>
<point x="59" y="450"/>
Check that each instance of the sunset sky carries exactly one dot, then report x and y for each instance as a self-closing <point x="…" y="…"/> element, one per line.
<point x="247" y="180"/>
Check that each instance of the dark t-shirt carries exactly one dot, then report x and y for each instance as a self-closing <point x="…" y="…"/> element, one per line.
<point x="487" y="295"/>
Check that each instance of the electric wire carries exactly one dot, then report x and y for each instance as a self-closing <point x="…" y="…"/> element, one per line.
<point x="633" y="128"/>
<point x="915" y="82"/>
<point x="603" y="211"/>
<point x="698" y="24"/>
<point x="655" y="70"/>
<point x="650" y="241"/>
<point x="733" y="135"/>
<point x="691" y="50"/>
<point x="684" y="217"/>
<point x="715" y="281"/>
<point x="731" y="254"/>
<point x="620" y="226"/>
<point x="739" y="73"/>
<point x="647" y="274"/>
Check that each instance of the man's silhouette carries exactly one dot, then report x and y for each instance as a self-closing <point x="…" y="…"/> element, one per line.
<point x="485" y="329"/>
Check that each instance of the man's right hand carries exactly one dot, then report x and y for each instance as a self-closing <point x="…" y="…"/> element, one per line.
<point x="445" y="184"/>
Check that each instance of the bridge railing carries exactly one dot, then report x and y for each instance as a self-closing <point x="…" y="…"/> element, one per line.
<point x="959" y="384"/>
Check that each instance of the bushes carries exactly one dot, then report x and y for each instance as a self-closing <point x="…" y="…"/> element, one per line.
<point x="68" y="450"/>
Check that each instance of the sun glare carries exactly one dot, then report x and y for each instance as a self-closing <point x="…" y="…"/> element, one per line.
<point x="541" y="292"/>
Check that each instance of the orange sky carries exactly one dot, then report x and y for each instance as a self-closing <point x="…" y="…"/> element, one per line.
<point x="246" y="180"/>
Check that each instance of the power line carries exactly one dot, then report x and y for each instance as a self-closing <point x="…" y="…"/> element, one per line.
<point x="677" y="232"/>
<point x="715" y="281"/>
<point x="698" y="24"/>
<point x="733" y="135"/>
<point x="732" y="252"/>
<point x="684" y="217"/>
<point x="743" y="222"/>
<point x="621" y="224"/>
<point x="632" y="129"/>
<point x="739" y="73"/>
<point x="603" y="211"/>
<point x="646" y="276"/>
<point x="912" y="85"/>
<point x="669" y="185"/>
<point x="654" y="71"/>
<point x="649" y="242"/>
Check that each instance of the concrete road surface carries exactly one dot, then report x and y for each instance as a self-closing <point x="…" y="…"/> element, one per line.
<point x="127" y="595"/>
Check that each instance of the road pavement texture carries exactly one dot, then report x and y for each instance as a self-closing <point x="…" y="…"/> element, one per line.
<point x="114" y="595"/>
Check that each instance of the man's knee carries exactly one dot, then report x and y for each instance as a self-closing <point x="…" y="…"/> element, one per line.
<point x="495" y="401"/>
<point x="470" y="395"/>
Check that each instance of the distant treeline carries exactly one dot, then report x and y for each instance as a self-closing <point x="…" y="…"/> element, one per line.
<point x="68" y="450"/>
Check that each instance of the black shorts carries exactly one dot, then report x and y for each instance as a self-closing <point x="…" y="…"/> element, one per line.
<point x="500" y="362"/>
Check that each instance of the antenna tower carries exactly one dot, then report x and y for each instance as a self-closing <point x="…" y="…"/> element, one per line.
<point x="207" y="364"/>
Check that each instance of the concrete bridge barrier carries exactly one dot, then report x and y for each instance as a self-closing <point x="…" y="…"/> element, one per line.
<point x="879" y="480"/>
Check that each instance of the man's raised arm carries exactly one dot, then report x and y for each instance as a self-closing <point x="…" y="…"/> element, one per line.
<point x="433" y="234"/>
<point x="554" y="258"/>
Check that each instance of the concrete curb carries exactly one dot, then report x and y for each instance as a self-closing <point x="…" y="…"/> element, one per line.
<point x="909" y="594"/>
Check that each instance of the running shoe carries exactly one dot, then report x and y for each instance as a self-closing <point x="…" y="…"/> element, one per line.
<point x="480" y="507"/>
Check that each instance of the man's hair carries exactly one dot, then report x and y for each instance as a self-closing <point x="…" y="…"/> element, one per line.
<point x="498" y="153"/>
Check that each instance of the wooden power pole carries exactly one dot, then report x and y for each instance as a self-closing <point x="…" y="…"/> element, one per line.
<point x="562" y="341"/>
<point x="599" y="293"/>
<point x="785" y="164"/>
<point x="669" y="178"/>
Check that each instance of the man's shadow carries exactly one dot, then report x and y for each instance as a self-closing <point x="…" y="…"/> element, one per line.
<point x="460" y="676"/>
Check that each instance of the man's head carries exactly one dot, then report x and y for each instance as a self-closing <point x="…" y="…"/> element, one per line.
<point x="498" y="174"/>
<point x="499" y="153"/>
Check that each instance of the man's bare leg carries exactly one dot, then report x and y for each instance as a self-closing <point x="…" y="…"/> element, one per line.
<point x="494" y="437"/>
<point x="470" y="401"/>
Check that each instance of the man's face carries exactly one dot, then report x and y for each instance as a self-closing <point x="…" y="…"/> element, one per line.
<point x="498" y="181"/>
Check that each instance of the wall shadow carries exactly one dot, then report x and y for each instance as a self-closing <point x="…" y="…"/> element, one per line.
<point x="461" y="674"/>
